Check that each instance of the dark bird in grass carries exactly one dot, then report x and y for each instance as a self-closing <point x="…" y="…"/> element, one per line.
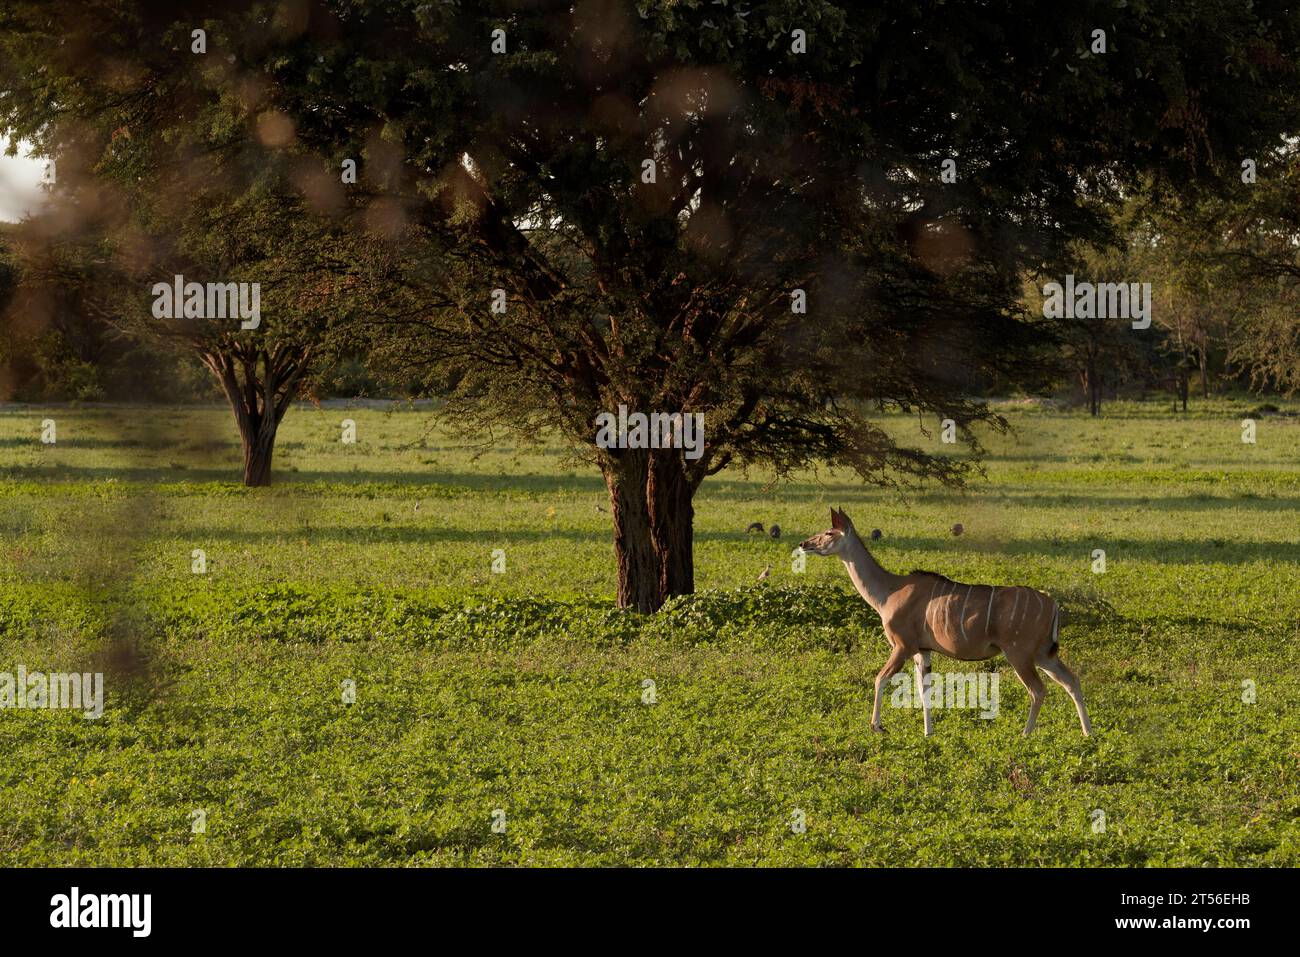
<point x="775" y="531"/>
<point x="957" y="529"/>
<point x="754" y="527"/>
<point x="875" y="534"/>
<point x="765" y="573"/>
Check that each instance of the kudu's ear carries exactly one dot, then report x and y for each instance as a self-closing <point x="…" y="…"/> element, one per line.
<point x="837" y="520"/>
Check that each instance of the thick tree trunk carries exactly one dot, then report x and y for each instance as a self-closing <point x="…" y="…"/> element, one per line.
<point x="634" y="551"/>
<point x="650" y="498"/>
<point x="672" y="522"/>
<point x="259" y="445"/>
<point x="259" y="398"/>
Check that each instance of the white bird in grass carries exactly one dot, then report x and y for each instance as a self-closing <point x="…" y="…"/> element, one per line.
<point x="763" y="575"/>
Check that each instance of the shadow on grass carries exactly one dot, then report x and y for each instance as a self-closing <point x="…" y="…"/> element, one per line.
<point x="411" y="483"/>
<point x="407" y="535"/>
<point x="1172" y="551"/>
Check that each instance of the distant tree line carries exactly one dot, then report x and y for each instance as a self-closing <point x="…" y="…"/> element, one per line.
<point x="1225" y="319"/>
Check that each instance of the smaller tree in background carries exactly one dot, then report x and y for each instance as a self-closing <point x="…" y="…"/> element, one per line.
<point x="1195" y="303"/>
<point x="1256" y="265"/>
<point x="170" y="164"/>
<point x="1192" y="304"/>
<point x="1101" y="352"/>
<point x="312" y="282"/>
<point x="1228" y="275"/>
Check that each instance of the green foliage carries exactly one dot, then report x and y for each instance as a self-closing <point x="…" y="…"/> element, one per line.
<point x="523" y="691"/>
<point x="777" y="170"/>
<point x="1234" y="260"/>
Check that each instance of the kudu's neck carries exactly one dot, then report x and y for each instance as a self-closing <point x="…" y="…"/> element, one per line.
<point x="872" y="582"/>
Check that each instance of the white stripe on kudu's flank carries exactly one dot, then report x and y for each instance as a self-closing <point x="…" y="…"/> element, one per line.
<point x="988" y="615"/>
<point x="1011" y="619"/>
<point x="962" y="619"/>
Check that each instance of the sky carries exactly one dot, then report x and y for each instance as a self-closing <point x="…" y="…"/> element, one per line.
<point x="20" y="179"/>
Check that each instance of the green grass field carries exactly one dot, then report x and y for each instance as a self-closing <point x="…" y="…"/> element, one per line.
<point x="523" y="691"/>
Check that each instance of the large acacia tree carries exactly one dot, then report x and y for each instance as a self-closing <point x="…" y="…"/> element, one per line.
<point x="796" y="146"/>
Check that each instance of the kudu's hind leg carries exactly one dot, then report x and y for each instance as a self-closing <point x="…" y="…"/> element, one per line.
<point x="896" y="659"/>
<point x="1028" y="676"/>
<point x="1064" y="677"/>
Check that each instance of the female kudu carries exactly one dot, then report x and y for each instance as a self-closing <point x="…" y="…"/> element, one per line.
<point x="924" y="612"/>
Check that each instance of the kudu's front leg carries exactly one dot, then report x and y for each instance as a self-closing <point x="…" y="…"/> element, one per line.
<point x="922" y="659"/>
<point x="896" y="659"/>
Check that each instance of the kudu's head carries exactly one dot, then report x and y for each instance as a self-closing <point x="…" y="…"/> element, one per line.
<point x="835" y="539"/>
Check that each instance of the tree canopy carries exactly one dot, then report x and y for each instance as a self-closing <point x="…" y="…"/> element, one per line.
<point x="781" y="215"/>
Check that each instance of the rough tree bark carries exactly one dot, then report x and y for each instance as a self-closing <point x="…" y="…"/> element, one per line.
<point x="670" y="494"/>
<point x="258" y="439"/>
<point x="650" y="494"/>
<point x="634" y="549"/>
